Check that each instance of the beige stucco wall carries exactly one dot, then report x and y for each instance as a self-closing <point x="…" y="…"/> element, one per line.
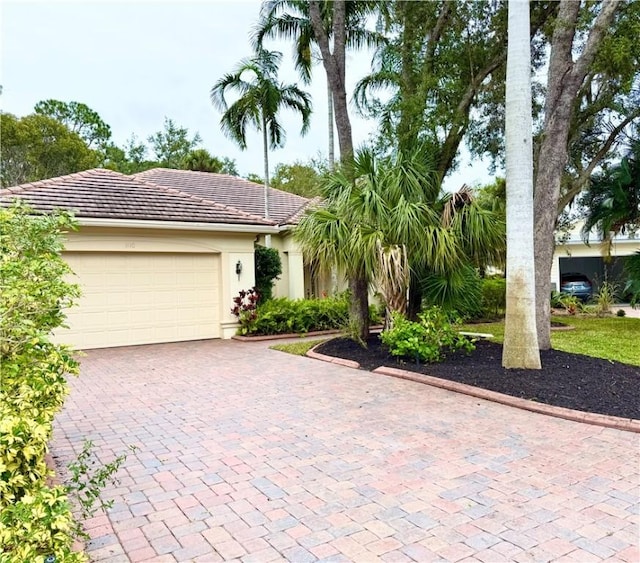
<point x="231" y="247"/>
<point x="291" y="282"/>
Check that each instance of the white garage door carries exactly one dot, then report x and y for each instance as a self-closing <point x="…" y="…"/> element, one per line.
<point x="143" y="298"/>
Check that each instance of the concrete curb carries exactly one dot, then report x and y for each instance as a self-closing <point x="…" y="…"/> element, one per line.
<point x="627" y="424"/>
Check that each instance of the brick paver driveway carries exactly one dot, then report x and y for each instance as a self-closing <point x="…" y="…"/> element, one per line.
<point x="251" y="454"/>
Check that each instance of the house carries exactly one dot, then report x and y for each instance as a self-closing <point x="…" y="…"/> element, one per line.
<point x="595" y="260"/>
<point x="160" y="255"/>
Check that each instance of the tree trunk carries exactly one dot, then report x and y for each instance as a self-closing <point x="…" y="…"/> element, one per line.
<point x="334" y="66"/>
<point x="267" y="238"/>
<point x="359" y="306"/>
<point x="520" y="349"/>
<point x="565" y="79"/>
<point x="330" y="125"/>
<point x="333" y="61"/>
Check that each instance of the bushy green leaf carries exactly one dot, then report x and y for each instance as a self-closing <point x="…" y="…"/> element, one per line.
<point x="427" y="340"/>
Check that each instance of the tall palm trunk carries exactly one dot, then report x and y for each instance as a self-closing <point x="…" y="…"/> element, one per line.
<point x="267" y="238"/>
<point x="330" y="125"/>
<point x="520" y="337"/>
<point x="333" y="61"/>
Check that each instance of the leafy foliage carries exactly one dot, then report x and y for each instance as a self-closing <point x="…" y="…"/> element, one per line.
<point x="260" y="99"/>
<point x="172" y="145"/>
<point x="79" y="118"/>
<point x="201" y="160"/>
<point x="284" y="316"/>
<point x="396" y="201"/>
<point x="612" y="200"/>
<point x="245" y="306"/>
<point x="299" y="178"/>
<point x="268" y="267"/>
<point x="427" y="340"/>
<point x="88" y="478"/>
<point x="40" y="524"/>
<point x="35" y="520"/>
<point x="494" y="296"/>
<point x="459" y="290"/>
<point x="37" y="147"/>
<point x="632" y="268"/>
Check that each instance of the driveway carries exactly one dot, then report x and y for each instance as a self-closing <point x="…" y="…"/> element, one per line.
<point x="250" y="454"/>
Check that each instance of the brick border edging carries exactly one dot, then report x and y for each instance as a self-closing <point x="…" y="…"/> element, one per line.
<point x="627" y="424"/>
<point x="299" y="335"/>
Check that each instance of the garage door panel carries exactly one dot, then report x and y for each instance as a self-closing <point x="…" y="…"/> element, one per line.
<point x="138" y="298"/>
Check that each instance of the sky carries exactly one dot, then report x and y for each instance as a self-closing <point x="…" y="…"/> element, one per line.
<point x="136" y="63"/>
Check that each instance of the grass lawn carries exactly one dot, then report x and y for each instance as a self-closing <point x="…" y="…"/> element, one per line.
<point x="611" y="338"/>
<point x="297" y="348"/>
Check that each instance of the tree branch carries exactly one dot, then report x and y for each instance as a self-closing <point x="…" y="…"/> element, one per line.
<point x="320" y="36"/>
<point x="577" y="185"/>
<point x="600" y="27"/>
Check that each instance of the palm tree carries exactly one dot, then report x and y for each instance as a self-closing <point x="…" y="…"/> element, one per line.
<point x="383" y="215"/>
<point x="291" y="20"/>
<point x="612" y="200"/>
<point x="520" y="349"/>
<point x="260" y="99"/>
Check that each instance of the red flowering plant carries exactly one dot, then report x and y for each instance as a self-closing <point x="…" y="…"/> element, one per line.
<point x="245" y="307"/>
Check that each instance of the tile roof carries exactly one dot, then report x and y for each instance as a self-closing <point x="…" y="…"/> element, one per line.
<point x="284" y="208"/>
<point x="102" y="193"/>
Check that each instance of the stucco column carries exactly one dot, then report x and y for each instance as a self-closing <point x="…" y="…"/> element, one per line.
<point x="296" y="275"/>
<point x="555" y="272"/>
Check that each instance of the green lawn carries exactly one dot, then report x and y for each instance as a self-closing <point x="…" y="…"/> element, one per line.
<point x="297" y="348"/>
<point x="612" y="338"/>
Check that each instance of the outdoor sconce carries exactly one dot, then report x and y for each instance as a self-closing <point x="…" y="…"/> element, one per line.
<point x="238" y="268"/>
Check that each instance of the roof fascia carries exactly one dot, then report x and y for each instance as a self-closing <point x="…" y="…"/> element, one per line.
<point x="176" y="225"/>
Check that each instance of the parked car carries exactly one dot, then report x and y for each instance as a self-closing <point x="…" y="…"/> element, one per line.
<point x="576" y="284"/>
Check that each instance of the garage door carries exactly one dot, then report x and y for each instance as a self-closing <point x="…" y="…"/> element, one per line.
<point x="143" y="298"/>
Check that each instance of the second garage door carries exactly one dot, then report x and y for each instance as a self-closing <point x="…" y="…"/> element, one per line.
<point x="143" y="298"/>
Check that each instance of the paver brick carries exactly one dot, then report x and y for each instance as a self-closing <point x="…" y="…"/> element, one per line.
<point x="248" y="453"/>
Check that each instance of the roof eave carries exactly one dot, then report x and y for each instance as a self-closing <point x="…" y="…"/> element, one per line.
<point x="177" y="225"/>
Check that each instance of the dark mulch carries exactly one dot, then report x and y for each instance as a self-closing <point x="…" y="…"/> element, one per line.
<point x="566" y="380"/>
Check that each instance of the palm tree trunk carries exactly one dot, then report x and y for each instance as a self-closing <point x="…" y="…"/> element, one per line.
<point x="267" y="238"/>
<point x="520" y="349"/>
<point x="330" y="125"/>
<point x="359" y="306"/>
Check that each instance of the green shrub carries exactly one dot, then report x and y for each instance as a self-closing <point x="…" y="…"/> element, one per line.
<point x="38" y="525"/>
<point x="556" y="300"/>
<point x="427" y="340"/>
<point x="459" y="291"/>
<point x="35" y="520"/>
<point x="606" y="297"/>
<point x="494" y="297"/>
<point x="570" y="302"/>
<point x="632" y="269"/>
<point x="283" y="316"/>
<point x="621" y="313"/>
<point x="268" y="268"/>
<point x="245" y="308"/>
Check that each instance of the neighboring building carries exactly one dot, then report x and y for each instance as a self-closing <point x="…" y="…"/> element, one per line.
<point x="160" y="255"/>
<point x="593" y="259"/>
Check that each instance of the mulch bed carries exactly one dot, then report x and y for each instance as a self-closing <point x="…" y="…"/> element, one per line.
<point x="566" y="380"/>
